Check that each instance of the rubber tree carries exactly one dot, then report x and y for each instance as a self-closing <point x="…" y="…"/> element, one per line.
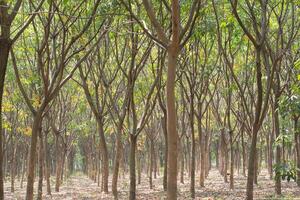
<point x="51" y="84"/>
<point x="172" y="44"/>
<point x="257" y="38"/>
<point x="7" y="39"/>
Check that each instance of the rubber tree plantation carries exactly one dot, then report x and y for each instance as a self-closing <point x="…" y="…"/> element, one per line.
<point x="149" y="99"/>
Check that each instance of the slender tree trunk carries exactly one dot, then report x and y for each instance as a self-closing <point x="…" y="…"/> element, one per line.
<point x="193" y="162"/>
<point x="297" y="141"/>
<point x="231" y="161"/>
<point x="165" y="174"/>
<point x="278" y="152"/>
<point x="13" y="166"/>
<point x="237" y="158"/>
<point x="244" y="154"/>
<point x="139" y="166"/>
<point x="182" y="163"/>
<point x="151" y="163"/>
<point x="41" y="162"/>
<point x="32" y="154"/>
<point x="171" y="124"/>
<point x="201" y="160"/>
<point x="117" y="163"/>
<point x="225" y="163"/>
<point x="154" y="162"/>
<point x="256" y="167"/>
<point x="105" y="162"/>
<point x="255" y="127"/>
<point x="5" y="45"/>
<point x="217" y="154"/>
<point x="57" y="163"/>
<point x="24" y="167"/>
<point x="47" y="165"/>
<point x="132" y="190"/>
<point x="276" y="89"/>
<point x="251" y="166"/>
<point x="270" y="154"/>
<point x="225" y="155"/>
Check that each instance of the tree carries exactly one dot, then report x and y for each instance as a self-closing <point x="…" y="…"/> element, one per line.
<point x="173" y="46"/>
<point x="50" y="85"/>
<point x="7" y="18"/>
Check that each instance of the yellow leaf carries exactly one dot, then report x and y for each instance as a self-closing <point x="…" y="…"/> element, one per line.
<point x="27" y="131"/>
<point x="7" y="107"/>
<point x="36" y="101"/>
<point x="6" y="125"/>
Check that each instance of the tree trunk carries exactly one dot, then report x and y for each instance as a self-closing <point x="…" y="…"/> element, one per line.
<point x="5" y="45"/>
<point x="255" y="126"/>
<point x="297" y="141"/>
<point x="276" y="89"/>
<point x="117" y="163"/>
<point x="251" y="164"/>
<point x="182" y="163"/>
<point x="217" y="154"/>
<point x="278" y="152"/>
<point x="231" y="161"/>
<point x="270" y="154"/>
<point x="244" y="153"/>
<point x="105" y="162"/>
<point x="13" y="166"/>
<point x="151" y="162"/>
<point x="139" y="168"/>
<point x="57" y="163"/>
<point x="132" y="190"/>
<point x="47" y="165"/>
<point x="165" y="132"/>
<point x="193" y="162"/>
<point x="225" y="156"/>
<point x="154" y="162"/>
<point x="41" y="162"/>
<point x="32" y="154"/>
<point x="171" y="124"/>
<point x="201" y="143"/>
<point x="24" y="167"/>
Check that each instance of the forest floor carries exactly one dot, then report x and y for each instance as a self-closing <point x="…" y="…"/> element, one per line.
<point x="80" y="187"/>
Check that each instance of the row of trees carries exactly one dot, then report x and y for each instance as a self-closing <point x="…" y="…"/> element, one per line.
<point x="203" y="77"/>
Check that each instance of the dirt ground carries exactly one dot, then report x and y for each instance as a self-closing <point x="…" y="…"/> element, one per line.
<point x="79" y="187"/>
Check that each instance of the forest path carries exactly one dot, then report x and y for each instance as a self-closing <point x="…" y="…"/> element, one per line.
<point x="80" y="187"/>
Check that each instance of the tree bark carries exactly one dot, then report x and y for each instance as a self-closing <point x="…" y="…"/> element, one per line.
<point x="201" y="160"/>
<point x="255" y="127"/>
<point x="57" y="163"/>
<point x="182" y="163"/>
<point x="132" y="190"/>
<point x="41" y="162"/>
<point x="243" y="153"/>
<point x="37" y="121"/>
<point x="117" y="163"/>
<point x="105" y="163"/>
<point x="151" y="163"/>
<point x="139" y="166"/>
<point x="276" y="89"/>
<point x="278" y="150"/>
<point x="231" y="160"/>
<point x="5" y="45"/>
<point x="171" y="124"/>
<point x="297" y="141"/>
<point x="165" y="132"/>
<point x="13" y="166"/>
<point x="47" y="165"/>
<point x="193" y="162"/>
